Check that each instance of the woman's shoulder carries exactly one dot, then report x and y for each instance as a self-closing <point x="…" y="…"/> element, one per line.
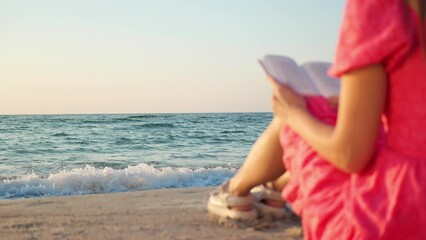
<point x="372" y="30"/>
<point x="380" y="15"/>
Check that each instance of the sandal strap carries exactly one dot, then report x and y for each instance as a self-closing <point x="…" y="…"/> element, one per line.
<point x="237" y="201"/>
<point x="267" y="193"/>
<point x="232" y="200"/>
<point x="273" y="194"/>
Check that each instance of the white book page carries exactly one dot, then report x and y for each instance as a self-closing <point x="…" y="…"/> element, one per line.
<point x="317" y="72"/>
<point x="286" y="71"/>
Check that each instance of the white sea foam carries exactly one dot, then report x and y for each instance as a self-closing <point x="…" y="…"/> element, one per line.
<point x="89" y="180"/>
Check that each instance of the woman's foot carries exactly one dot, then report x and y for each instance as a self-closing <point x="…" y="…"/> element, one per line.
<point x="273" y="202"/>
<point x="224" y="204"/>
<point x="233" y="190"/>
<point x="269" y="202"/>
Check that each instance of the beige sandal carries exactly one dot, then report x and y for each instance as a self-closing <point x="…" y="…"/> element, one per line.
<point x="262" y="193"/>
<point x="223" y="204"/>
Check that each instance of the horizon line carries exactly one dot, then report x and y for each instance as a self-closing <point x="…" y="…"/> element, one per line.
<point x="129" y="113"/>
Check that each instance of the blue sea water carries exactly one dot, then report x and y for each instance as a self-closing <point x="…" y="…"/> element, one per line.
<point x="54" y="155"/>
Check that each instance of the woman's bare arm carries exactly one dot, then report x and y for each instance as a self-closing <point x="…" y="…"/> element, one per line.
<point x="350" y="144"/>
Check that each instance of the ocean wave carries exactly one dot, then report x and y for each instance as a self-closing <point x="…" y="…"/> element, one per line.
<point x="232" y="131"/>
<point x="123" y="141"/>
<point x="91" y="180"/>
<point x="155" y="125"/>
<point x="61" y="134"/>
<point x="137" y="117"/>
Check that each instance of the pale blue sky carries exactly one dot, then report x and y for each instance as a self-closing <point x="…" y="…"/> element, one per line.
<point x="148" y="56"/>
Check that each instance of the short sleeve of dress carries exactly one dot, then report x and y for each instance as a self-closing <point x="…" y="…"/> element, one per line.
<point x="373" y="31"/>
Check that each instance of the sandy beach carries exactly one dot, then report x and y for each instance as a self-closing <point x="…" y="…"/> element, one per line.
<point x="153" y="214"/>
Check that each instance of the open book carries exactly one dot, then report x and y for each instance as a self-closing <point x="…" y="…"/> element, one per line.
<point x="309" y="79"/>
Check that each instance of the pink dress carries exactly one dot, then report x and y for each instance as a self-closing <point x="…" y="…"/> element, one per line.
<point x="388" y="199"/>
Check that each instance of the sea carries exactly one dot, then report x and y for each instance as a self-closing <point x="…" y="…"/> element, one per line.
<point x="57" y="155"/>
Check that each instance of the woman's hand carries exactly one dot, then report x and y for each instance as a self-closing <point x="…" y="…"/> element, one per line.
<point x="286" y="102"/>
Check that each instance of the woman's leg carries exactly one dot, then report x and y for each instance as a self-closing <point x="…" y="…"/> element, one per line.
<point x="263" y="163"/>
<point x="279" y="183"/>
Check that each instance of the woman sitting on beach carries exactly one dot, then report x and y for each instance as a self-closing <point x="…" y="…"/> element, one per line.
<point x="263" y="174"/>
<point x="344" y="185"/>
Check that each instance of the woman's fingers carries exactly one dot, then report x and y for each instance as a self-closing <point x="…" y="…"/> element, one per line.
<point x="285" y="99"/>
<point x="274" y="83"/>
<point x="278" y="88"/>
<point x="278" y="107"/>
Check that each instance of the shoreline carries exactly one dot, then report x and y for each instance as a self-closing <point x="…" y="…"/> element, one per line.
<point x="178" y="213"/>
